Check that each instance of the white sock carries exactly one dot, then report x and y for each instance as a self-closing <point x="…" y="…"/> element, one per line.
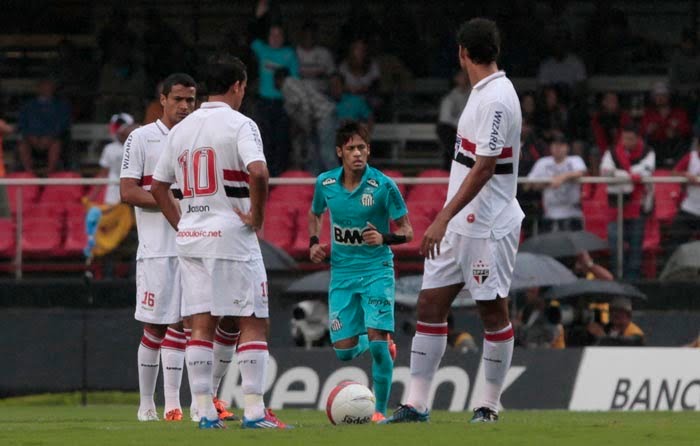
<point x="172" y="355"/>
<point x="498" y="351"/>
<point x="149" y="363"/>
<point x="252" y="362"/>
<point x="224" y="346"/>
<point x="427" y="349"/>
<point x="200" y="358"/>
<point x="193" y="400"/>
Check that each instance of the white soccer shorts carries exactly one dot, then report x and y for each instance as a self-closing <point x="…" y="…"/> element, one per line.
<point x="484" y="265"/>
<point x="223" y="287"/>
<point x="158" y="290"/>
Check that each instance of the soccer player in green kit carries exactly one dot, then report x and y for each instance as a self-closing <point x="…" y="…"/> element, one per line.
<point x="361" y="201"/>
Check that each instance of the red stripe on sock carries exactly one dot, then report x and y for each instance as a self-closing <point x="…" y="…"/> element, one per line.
<point x="252" y="346"/>
<point x="499" y="337"/>
<point x="175" y="333"/>
<point x="200" y="343"/>
<point x="224" y="341"/>
<point x="150" y="344"/>
<point x="172" y="344"/>
<point x="439" y="330"/>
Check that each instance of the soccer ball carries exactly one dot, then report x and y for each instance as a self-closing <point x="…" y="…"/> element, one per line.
<point x="350" y="403"/>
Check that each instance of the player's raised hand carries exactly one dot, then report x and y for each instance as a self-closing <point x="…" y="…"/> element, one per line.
<point x="248" y="219"/>
<point x="317" y="253"/>
<point x="430" y="246"/>
<point x="371" y="236"/>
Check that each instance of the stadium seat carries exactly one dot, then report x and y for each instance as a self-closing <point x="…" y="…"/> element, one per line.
<point x="42" y="230"/>
<point x="280" y="223"/>
<point x="300" y="247"/>
<point x="63" y="195"/>
<point x="651" y="247"/>
<point x="29" y="193"/>
<point x="430" y="192"/>
<point x="394" y="174"/>
<point x="76" y="238"/>
<point x="596" y="212"/>
<point x="298" y="192"/>
<point x="666" y="198"/>
<point x="7" y="238"/>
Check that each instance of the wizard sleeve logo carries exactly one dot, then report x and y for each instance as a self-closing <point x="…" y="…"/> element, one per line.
<point x="480" y="271"/>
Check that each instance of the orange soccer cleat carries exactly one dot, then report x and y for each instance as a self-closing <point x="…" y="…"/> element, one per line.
<point x="392" y="349"/>
<point x="224" y="414"/>
<point x="378" y="417"/>
<point x="174" y="415"/>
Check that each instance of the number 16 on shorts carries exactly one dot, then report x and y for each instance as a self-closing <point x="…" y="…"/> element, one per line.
<point x="149" y="301"/>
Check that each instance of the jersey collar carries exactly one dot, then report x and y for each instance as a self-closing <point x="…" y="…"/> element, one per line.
<point x="363" y="180"/>
<point x="215" y="104"/>
<point x="162" y="127"/>
<point x="488" y="79"/>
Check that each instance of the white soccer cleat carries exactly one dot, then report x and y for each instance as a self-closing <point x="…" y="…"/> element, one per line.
<point x="147" y="415"/>
<point x="194" y="414"/>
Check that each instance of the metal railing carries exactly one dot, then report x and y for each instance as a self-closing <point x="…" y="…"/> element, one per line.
<point x="18" y="214"/>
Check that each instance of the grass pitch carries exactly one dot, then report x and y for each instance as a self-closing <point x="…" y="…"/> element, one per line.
<point x="33" y="422"/>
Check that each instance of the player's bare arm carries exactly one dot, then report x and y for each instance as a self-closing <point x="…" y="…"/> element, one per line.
<point x="259" y="177"/>
<point x="404" y="234"/>
<point x="163" y="197"/>
<point x="480" y="174"/>
<point x="317" y="251"/>
<point x="132" y="193"/>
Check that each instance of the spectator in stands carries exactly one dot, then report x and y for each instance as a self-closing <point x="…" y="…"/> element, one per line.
<point x="561" y="198"/>
<point x="315" y="61"/>
<point x="315" y="115"/>
<point x="532" y="148"/>
<point x="552" y="115"/>
<point x="120" y="125"/>
<point x="349" y="106"/>
<point x="5" y="129"/>
<point x="687" y="221"/>
<point x="528" y="106"/>
<point x="451" y="107"/>
<point x="563" y="67"/>
<point x="459" y="340"/>
<point x="620" y="331"/>
<point x="684" y="69"/>
<point x="538" y="323"/>
<point x="665" y="127"/>
<point x="361" y="73"/>
<point x="271" y="117"/>
<point x="608" y="120"/>
<point x="43" y="123"/>
<point x="633" y="159"/>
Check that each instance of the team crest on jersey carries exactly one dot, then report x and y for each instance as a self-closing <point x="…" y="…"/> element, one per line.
<point x="328" y="181"/>
<point x="336" y="325"/>
<point x="373" y="182"/>
<point x="480" y="271"/>
<point x="367" y="200"/>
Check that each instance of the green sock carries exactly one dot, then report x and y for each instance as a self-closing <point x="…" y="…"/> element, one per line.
<point x="346" y="354"/>
<point x="382" y="372"/>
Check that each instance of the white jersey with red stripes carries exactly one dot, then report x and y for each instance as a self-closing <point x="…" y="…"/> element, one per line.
<point x="489" y="126"/>
<point x="691" y="202"/>
<point x="142" y="150"/>
<point x="207" y="155"/>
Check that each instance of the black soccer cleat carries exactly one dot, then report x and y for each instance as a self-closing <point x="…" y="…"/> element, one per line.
<point x="406" y="414"/>
<point x="484" y="415"/>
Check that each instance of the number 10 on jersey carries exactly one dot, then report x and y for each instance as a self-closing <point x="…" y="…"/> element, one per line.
<point x="199" y="177"/>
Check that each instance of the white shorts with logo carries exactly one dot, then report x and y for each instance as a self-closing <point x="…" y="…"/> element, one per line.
<point x="223" y="287"/>
<point x="158" y="290"/>
<point x="484" y="265"/>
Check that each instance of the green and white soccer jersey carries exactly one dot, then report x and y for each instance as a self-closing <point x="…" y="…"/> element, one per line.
<point x="361" y="293"/>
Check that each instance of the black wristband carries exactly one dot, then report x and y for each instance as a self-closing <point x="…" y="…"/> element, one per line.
<point x="313" y="240"/>
<point x="393" y="239"/>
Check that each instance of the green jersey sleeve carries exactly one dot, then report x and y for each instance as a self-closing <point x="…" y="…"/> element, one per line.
<point x="395" y="203"/>
<point x="318" y="205"/>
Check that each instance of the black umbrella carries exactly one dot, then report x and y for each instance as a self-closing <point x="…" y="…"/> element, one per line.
<point x="317" y="282"/>
<point x="684" y="264"/>
<point x="598" y="290"/>
<point x="563" y="243"/>
<point x="275" y="258"/>
<point x="535" y="270"/>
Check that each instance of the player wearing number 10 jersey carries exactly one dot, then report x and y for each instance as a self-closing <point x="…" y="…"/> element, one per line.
<point x="216" y="156"/>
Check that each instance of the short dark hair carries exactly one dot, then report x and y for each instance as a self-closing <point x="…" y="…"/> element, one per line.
<point x="223" y="70"/>
<point x="348" y="130"/>
<point x="480" y="37"/>
<point x="177" y="79"/>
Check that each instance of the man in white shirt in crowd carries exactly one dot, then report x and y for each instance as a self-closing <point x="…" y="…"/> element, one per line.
<point x="120" y="126"/>
<point x="561" y="198"/>
<point x="315" y="61"/>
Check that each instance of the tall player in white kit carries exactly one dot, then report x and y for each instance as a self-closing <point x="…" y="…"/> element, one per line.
<point x="216" y="156"/>
<point x="474" y="239"/>
<point x="158" y="292"/>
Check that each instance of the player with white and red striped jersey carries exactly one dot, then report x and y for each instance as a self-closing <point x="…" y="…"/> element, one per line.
<point x="473" y="240"/>
<point x="216" y="156"/>
<point x="158" y="292"/>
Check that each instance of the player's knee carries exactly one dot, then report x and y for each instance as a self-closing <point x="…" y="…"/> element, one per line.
<point x="344" y="354"/>
<point x="427" y="312"/>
